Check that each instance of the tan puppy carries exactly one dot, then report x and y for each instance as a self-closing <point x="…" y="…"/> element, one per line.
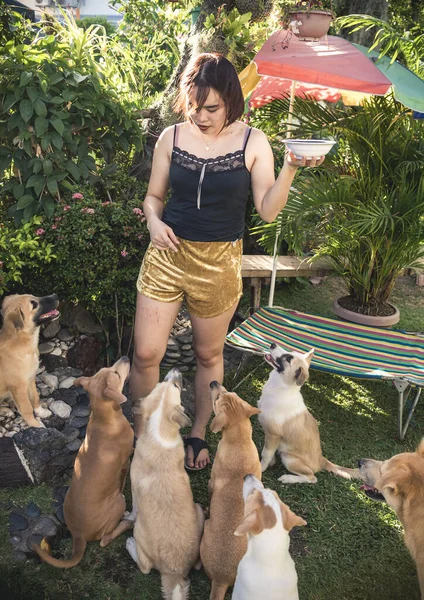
<point x="94" y="504"/>
<point x="236" y="457"/>
<point x="266" y="570"/>
<point x="400" y="482"/>
<point x="168" y="523"/>
<point x="22" y="317"/>
<point x="289" y="427"/>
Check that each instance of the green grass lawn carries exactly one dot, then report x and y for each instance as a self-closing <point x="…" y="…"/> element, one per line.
<point x="352" y="547"/>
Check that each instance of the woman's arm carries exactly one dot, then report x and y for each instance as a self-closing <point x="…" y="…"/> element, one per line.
<point x="270" y="194"/>
<point x="161" y="235"/>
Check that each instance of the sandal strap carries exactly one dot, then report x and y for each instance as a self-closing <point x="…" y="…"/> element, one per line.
<point x="197" y="444"/>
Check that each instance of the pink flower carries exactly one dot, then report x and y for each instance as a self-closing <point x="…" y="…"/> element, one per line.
<point x="54" y="227"/>
<point x="138" y="211"/>
<point x="1" y="264"/>
<point x="140" y="237"/>
<point x="58" y="218"/>
<point x="77" y="196"/>
<point x="66" y="207"/>
<point x="106" y="203"/>
<point x="124" y="253"/>
<point x="40" y="231"/>
<point x="89" y="211"/>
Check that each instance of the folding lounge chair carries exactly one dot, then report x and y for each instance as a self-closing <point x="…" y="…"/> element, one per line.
<point x="341" y="348"/>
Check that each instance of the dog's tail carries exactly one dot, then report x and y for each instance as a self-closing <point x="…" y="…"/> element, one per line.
<point x="326" y="465"/>
<point x="174" y="586"/>
<point x="78" y="549"/>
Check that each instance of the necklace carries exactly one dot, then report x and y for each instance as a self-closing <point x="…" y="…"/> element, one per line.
<point x="208" y="145"/>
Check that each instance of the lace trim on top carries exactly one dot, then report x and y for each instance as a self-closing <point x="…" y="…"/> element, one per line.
<point x="229" y="162"/>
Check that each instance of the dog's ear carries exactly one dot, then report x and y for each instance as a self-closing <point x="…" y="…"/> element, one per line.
<point x="219" y="422"/>
<point x="300" y="376"/>
<point x="250" y="524"/>
<point x="179" y="416"/>
<point x="82" y="382"/>
<point x="17" y="318"/>
<point x="420" y="449"/>
<point x="290" y="519"/>
<point x="308" y="357"/>
<point x="250" y="410"/>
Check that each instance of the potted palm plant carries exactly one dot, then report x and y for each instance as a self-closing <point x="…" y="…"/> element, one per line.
<point x="364" y="207"/>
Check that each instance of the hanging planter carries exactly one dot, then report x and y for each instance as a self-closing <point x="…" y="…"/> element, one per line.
<point x="194" y="14"/>
<point x="309" y="20"/>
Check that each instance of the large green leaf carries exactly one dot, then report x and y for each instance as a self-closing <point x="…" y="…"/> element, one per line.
<point x="25" y="201"/>
<point x="47" y="167"/>
<point x="41" y="125"/>
<point x="26" y="77"/>
<point x="58" y="125"/>
<point x="56" y="139"/>
<point x="72" y="168"/>
<point x="52" y="185"/>
<point x="40" y="108"/>
<point x="26" y="109"/>
<point x="48" y="205"/>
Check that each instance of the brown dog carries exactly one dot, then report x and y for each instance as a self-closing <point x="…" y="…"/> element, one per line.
<point x="168" y="524"/>
<point x="236" y="456"/>
<point x="22" y="317"/>
<point x="94" y="504"/>
<point x="400" y="482"/>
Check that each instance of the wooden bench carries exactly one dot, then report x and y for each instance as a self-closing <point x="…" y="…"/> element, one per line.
<point x="258" y="267"/>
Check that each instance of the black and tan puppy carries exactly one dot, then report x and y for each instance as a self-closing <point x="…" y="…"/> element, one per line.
<point x="22" y="317"/>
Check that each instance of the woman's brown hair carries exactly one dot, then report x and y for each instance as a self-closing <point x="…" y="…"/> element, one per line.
<point x="206" y="71"/>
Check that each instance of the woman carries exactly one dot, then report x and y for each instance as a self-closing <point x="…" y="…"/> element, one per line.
<point x="210" y="161"/>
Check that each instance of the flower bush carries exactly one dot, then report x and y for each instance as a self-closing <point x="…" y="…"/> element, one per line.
<point x="21" y="246"/>
<point x="99" y="245"/>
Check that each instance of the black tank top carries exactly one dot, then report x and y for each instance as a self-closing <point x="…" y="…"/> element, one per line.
<point x="208" y="195"/>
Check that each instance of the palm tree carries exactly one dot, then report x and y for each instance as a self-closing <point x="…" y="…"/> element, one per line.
<point x="365" y="206"/>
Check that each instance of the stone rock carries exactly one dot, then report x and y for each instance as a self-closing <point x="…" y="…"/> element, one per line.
<point x="59" y="514"/>
<point x="86" y="354"/>
<point x="172" y="343"/>
<point x="43" y="390"/>
<point x="65" y="335"/>
<point x="44" y="452"/>
<point x="32" y="510"/>
<point x="70" y="396"/>
<point x="64" y="372"/>
<point x="17" y="522"/>
<point x="6" y="412"/>
<point x="10" y="434"/>
<point x="74" y="446"/>
<point x="67" y="383"/>
<point x="52" y="362"/>
<point x="41" y="368"/>
<point x="70" y="433"/>
<point x="45" y="526"/>
<point x="81" y="410"/>
<point x="186" y="347"/>
<point x="76" y="317"/>
<point x="78" y="422"/>
<point x="35" y="538"/>
<point x="50" y="380"/>
<point x="56" y="422"/>
<point x="184" y="368"/>
<point x="185" y="339"/>
<point x="61" y="409"/>
<point x="15" y="540"/>
<point x="20" y="556"/>
<point x="56" y="352"/>
<point x="46" y="348"/>
<point x="82" y="432"/>
<point x="187" y="359"/>
<point x="171" y="355"/>
<point x="51" y="329"/>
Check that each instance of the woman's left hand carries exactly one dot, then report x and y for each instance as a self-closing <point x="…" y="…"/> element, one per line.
<point x="301" y="161"/>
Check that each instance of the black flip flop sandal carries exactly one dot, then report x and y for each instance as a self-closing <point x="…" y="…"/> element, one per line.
<point x="198" y="445"/>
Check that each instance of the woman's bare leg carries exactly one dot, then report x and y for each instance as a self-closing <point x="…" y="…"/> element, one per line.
<point x="153" y="324"/>
<point x="208" y="340"/>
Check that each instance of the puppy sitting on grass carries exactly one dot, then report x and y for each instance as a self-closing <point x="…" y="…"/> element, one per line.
<point x="289" y="427"/>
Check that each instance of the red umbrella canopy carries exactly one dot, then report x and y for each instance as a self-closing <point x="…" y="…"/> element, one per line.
<point x="331" y="62"/>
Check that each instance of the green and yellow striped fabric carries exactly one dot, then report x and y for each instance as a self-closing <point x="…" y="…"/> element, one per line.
<point x="340" y="347"/>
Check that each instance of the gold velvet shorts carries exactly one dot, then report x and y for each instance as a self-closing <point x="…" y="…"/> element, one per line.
<point x="207" y="275"/>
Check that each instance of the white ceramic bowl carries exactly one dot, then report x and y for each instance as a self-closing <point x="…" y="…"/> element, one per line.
<point x="309" y="148"/>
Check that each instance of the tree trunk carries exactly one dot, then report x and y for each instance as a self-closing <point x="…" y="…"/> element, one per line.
<point x="375" y="8"/>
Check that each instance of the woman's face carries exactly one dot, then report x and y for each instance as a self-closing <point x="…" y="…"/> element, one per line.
<point x="212" y="116"/>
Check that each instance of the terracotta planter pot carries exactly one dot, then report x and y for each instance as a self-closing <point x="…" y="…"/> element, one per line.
<point x="372" y="321"/>
<point x="315" y="23"/>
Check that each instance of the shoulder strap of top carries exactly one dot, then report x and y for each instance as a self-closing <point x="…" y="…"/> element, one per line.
<point x="246" y="137"/>
<point x="175" y="135"/>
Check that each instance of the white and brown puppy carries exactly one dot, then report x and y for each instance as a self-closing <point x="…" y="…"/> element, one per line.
<point x="22" y="317"/>
<point x="235" y="458"/>
<point x="94" y="504"/>
<point x="267" y="570"/>
<point x="400" y="482"/>
<point x="289" y="427"/>
<point x="168" y="524"/>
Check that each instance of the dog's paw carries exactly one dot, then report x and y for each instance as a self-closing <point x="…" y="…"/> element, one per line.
<point x="43" y="413"/>
<point x="264" y="465"/>
<point x="289" y="479"/>
<point x="130" y="545"/>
